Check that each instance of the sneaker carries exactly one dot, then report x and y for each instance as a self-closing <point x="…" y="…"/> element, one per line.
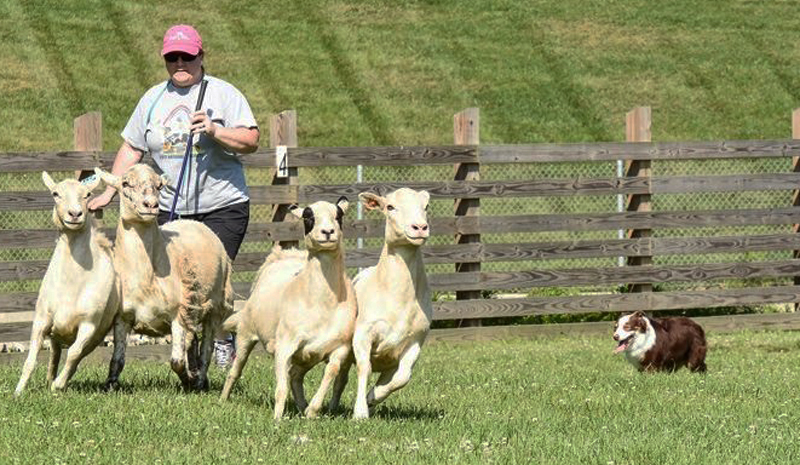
<point x="224" y="353"/>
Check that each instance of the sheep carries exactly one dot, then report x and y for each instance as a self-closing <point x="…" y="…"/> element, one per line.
<point x="394" y="300"/>
<point x="302" y="307"/>
<point x="80" y="294"/>
<point x="175" y="278"/>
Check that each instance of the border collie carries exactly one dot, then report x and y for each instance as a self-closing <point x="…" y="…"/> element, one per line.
<point x="661" y="344"/>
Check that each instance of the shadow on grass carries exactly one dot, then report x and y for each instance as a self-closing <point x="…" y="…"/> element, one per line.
<point x="165" y="385"/>
<point x="407" y="413"/>
<point x="266" y="401"/>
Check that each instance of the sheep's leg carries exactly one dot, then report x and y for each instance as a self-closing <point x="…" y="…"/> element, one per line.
<point x="399" y="379"/>
<point x="121" y="330"/>
<point x="38" y="331"/>
<point x="178" y="356"/>
<point x="55" y="358"/>
<point x="297" y="375"/>
<point x="80" y="348"/>
<point x="340" y="384"/>
<point x="191" y="356"/>
<point x="361" y="350"/>
<point x="283" y="362"/>
<point x="244" y="346"/>
<point x="332" y="369"/>
<point x="206" y="348"/>
<point x="384" y="378"/>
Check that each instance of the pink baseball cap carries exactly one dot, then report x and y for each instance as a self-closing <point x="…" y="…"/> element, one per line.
<point x="182" y="38"/>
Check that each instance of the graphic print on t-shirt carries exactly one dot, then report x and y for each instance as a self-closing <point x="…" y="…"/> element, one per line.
<point x="175" y="129"/>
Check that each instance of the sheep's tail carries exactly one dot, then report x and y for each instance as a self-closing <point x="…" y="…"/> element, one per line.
<point x="228" y="310"/>
<point x="228" y="294"/>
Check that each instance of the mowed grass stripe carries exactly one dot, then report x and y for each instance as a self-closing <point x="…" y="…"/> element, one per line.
<point x="549" y="400"/>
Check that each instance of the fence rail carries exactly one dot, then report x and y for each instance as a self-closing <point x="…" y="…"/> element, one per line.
<point x="466" y="234"/>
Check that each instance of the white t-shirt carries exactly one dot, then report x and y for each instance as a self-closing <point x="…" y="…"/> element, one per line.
<point x="214" y="177"/>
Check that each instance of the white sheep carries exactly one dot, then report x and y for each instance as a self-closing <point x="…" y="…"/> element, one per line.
<point x="80" y="294"/>
<point x="394" y="300"/>
<point x="175" y="278"/>
<point x="303" y="308"/>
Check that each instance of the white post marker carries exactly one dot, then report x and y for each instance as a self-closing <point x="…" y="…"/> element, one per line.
<point x="281" y="161"/>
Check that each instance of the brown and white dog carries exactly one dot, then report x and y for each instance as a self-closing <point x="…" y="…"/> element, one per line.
<point x="661" y="344"/>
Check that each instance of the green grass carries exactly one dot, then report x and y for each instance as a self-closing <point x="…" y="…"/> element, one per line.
<point x="556" y="400"/>
<point x="379" y="73"/>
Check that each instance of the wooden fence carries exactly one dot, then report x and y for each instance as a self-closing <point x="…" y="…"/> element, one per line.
<point x="466" y="225"/>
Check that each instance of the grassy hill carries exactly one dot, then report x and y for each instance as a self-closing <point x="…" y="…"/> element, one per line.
<point x="385" y="73"/>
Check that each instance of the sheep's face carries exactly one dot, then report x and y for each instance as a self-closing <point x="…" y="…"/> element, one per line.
<point x="322" y="223"/>
<point x="71" y="198"/>
<point x="138" y="189"/>
<point x="406" y="213"/>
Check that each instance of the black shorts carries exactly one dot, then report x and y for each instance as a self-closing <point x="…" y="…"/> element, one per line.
<point x="228" y="223"/>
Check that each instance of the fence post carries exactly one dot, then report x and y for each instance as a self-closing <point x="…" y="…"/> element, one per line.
<point x="637" y="129"/>
<point x="88" y="137"/>
<point x="283" y="131"/>
<point x="466" y="131"/>
<point x="796" y="194"/>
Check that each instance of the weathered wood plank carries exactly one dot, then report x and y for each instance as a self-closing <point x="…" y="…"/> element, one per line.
<point x="612" y="151"/>
<point x="15" y="332"/>
<point x="485" y="189"/>
<point x="287" y="194"/>
<point x="637" y="220"/>
<point x="726" y="183"/>
<point x="273" y="194"/>
<point x="709" y="298"/>
<point x="367" y="156"/>
<point x="443" y="155"/>
<point x="45" y="238"/>
<point x="612" y="276"/>
<point x="36" y="238"/>
<point x="711" y="324"/>
<point x="23" y="269"/>
<point x="283" y="132"/>
<point x="557" y="250"/>
<point x="18" y="302"/>
<point x="43" y="200"/>
<point x="637" y="129"/>
<point x="17" y="162"/>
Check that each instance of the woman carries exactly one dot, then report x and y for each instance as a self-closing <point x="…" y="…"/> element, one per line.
<point x="213" y="191"/>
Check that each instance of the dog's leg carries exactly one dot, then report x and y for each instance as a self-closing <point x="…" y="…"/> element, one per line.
<point x="697" y="358"/>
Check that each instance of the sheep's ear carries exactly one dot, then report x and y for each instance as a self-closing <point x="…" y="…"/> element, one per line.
<point x="48" y="181"/>
<point x="426" y="197"/>
<point x="343" y="203"/>
<point x="108" y="178"/>
<point x="92" y="183"/>
<point x="372" y="201"/>
<point x="295" y="210"/>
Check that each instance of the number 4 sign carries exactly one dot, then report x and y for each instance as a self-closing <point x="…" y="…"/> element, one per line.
<point x="281" y="161"/>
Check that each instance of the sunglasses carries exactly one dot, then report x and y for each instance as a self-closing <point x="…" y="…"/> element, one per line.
<point x="173" y="57"/>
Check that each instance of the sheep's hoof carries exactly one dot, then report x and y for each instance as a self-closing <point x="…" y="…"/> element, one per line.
<point x="201" y="385"/>
<point x="110" y="386"/>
